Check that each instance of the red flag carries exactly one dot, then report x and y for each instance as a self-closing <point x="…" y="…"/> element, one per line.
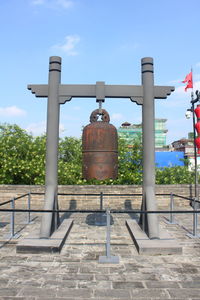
<point x="189" y="81"/>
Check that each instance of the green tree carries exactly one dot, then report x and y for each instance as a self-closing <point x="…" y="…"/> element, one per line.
<point x="174" y="175"/>
<point x="70" y="161"/>
<point x="130" y="163"/>
<point x="22" y="161"/>
<point x="22" y="156"/>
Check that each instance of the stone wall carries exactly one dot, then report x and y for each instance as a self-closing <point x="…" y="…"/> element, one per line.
<point x="120" y="199"/>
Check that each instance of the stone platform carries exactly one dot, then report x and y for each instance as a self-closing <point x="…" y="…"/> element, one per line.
<point x="165" y="245"/>
<point x="75" y="272"/>
<point x="33" y="244"/>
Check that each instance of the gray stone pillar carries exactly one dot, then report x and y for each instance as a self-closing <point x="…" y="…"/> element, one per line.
<point x="148" y="138"/>
<point x="51" y="179"/>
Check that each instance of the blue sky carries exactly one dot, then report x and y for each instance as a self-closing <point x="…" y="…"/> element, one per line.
<point x="98" y="40"/>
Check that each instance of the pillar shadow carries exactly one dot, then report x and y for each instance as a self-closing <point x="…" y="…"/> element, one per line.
<point x="190" y="188"/>
<point x="3" y="224"/>
<point x="128" y="206"/>
<point x="191" y="196"/>
<point x="72" y="206"/>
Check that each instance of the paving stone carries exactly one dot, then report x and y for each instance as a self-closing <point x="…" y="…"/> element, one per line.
<point x="79" y="293"/>
<point x="63" y="268"/>
<point x="86" y="270"/>
<point x="185" y="270"/>
<point x="161" y="284"/>
<point x="23" y="283"/>
<point x="133" y="267"/>
<point x="190" y="284"/>
<point x="59" y="284"/>
<point x="76" y="274"/>
<point x="193" y="278"/>
<point x="172" y="277"/>
<point x="42" y="258"/>
<point x="107" y="298"/>
<point x="95" y="284"/>
<point x="3" y="282"/>
<point x="142" y="276"/>
<point x="150" y="293"/>
<point x="17" y="298"/>
<point x="127" y="285"/>
<point x="119" y="294"/>
<point x="37" y="292"/>
<point x="85" y="277"/>
<point x="54" y="298"/>
<point x="14" y="259"/>
<point x="11" y="292"/>
<point x="184" y="293"/>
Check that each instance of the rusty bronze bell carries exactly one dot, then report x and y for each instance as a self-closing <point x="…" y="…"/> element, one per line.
<point x="100" y="147"/>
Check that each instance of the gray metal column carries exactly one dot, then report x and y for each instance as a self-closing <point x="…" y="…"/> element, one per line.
<point x="148" y="138"/>
<point x="53" y="112"/>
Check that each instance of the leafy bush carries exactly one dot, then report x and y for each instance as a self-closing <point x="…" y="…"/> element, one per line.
<point x="22" y="157"/>
<point x="174" y="175"/>
<point x="22" y="161"/>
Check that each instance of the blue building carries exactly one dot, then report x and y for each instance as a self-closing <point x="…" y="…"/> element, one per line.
<point x="169" y="159"/>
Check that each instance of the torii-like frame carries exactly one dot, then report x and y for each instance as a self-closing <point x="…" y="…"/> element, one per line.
<point x="144" y="95"/>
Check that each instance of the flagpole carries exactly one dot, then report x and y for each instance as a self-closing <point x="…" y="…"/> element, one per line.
<point x="189" y="81"/>
<point x="194" y="137"/>
<point x="192" y="93"/>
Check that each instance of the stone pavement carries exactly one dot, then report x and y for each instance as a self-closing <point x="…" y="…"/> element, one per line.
<point x="75" y="273"/>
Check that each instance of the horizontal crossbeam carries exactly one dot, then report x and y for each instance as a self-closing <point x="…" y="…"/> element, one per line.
<point x="69" y="91"/>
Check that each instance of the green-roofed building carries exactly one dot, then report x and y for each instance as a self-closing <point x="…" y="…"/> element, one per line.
<point x="133" y="132"/>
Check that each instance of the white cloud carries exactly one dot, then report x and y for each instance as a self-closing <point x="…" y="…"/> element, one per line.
<point x="61" y="128"/>
<point x="40" y="128"/>
<point x="178" y="128"/>
<point x="53" y="3"/>
<point x="69" y="45"/>
<point x="64" y="3"/>
<point x="38" y="2"/>
<point x="12" y="111"/>
<point x="130" y="46"/>
<point x="116" y="116"/>
<point x="176" y="81"/>
<point x="196" y="77"/>
<point x="36" y="128"/>
<point x="76" y="108"/>
<point x="198" y="65"/>
<point x="180" y="98"/>
<point x="180" y="90"/>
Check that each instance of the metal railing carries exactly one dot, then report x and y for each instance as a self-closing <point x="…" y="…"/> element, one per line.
<point x="101" y="209"/>
<point x="195" y="212"/>
<point x="12" y="210"/>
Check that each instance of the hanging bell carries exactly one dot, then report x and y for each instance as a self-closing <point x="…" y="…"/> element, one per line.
<point x="100" y="148"/>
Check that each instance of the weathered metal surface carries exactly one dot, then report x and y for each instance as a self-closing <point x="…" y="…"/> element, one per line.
<point x="100" y="148"/>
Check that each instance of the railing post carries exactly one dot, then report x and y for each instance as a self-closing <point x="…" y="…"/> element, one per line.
<point x="108" y="233"/>
<point x="172" y="209"/>
<point x="12" y="219"/>
<point x="108" y="258"/>
<point x="101" y="201"/>
<point x="12" y="234"/>
<point x="29" y="207"/>
<point x="195" y="221"/>
<point x="171" y="217"/>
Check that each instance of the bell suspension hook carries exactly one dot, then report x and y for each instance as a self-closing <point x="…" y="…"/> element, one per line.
<point x="100" y="94"/>
<point x="100" y="106"/>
